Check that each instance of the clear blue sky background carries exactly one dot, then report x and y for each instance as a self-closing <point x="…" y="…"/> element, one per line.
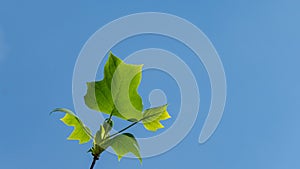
<point x="258" y="42"/>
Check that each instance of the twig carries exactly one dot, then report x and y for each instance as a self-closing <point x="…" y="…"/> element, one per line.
<point x="94" y="161"/>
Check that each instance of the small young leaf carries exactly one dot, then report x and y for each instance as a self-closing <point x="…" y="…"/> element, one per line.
<point x="107" y="125"/>
<point x="80" y="132"/>
<point x="98" y="146"/>
<point x="117" y="92"/>
<point x="153" y="116"/>
<point x="100" y="134"/>
<point x="123" y="144"/>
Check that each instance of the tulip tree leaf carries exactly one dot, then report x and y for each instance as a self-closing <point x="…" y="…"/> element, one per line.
<point x="123" y="144"/>
<point x="98" y="146"/>
<point x="153" y="116"/>
<point x="99" y="137"/>
<point x="117" y="92"/>
<point x="80" y="132"/>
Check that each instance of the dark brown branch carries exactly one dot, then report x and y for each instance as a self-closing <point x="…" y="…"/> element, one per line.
<point x="94" y="162"/>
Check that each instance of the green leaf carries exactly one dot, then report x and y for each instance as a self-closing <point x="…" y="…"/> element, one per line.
<point x="98" y="146"/>
<point x="107" y="125"/>
<point x="153" y="116"/>
<point x="123" y="144"/>
<point x="117" y="92"/>
<point x="80" y="132"/>
<point x="99" y="137"/>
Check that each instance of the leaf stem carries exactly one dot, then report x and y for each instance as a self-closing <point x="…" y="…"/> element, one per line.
<point x="111" y="114"/>
<point x="94" y="161"/>
<point x="132" y="124"/>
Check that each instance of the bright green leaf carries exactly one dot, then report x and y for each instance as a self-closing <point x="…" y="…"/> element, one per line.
<point x="153" y="116"/>
<point x="98" y="146"/>
<point x="107" y="125"/>
<point x="80" y="132"/>
<point x="123" y="144"/>
<point x="117" y="92"/>
<point x="100" y="134"/>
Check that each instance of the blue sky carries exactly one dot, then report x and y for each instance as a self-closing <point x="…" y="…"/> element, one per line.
<point x="258" y="43"/>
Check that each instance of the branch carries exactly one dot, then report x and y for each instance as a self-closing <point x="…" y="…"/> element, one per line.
<point x="94" y="162"/>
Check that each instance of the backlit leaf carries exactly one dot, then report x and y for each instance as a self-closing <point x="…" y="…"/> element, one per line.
<point x="123" y="144"/>
<point x="153" y="116"/>
<point x="117" y="92"/>
<point x="80" y="132"/>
